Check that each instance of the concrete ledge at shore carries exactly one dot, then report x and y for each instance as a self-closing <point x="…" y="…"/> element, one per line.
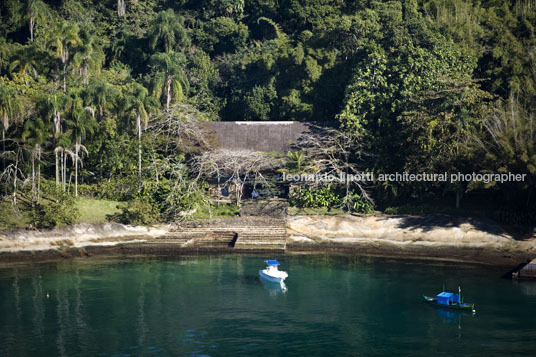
<point x="133" y="249"/>
<point x="425" y="236"/>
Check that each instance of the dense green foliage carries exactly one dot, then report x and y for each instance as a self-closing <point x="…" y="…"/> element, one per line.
<point x="424" y="85"/>
<point x="57" y="210"/>
<point x="328" y="196"/>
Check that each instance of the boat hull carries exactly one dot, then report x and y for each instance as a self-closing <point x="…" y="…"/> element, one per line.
<point x="270" y="278"/>
<point x="453" y="306"/>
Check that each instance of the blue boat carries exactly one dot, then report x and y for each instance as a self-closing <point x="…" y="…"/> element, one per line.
<point x="450" y="301"/>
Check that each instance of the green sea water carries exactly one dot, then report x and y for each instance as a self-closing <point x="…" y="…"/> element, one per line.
<point x="217" y="306"/>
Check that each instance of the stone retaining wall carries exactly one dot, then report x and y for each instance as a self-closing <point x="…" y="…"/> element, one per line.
<point x="265" y="208"/>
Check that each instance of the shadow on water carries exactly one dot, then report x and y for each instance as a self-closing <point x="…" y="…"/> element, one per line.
<point x="454" y="317"/>
<point x="527" y="288"/>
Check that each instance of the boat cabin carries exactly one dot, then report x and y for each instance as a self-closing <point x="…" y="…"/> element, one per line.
<point x="272" y="262"/>
<point x="445" y="298"/>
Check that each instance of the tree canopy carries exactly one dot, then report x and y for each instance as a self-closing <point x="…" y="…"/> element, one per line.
<point x="421" y="85"/>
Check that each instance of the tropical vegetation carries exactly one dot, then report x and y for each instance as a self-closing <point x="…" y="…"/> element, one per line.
<point x="91" y="91"/>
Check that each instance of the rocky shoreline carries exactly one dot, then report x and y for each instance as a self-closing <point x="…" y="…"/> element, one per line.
<point x="76" y="236"/>
<point x="428" y="237"/>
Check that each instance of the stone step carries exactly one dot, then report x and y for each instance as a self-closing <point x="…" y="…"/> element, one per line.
<point x="215" y="234"/>
<point x="212" y="233"/>
<point x="216" y="239"/>
<point x="211" y="244"/>
<point x="254" y="239"/>
<point x="264" y="236"/>
<point x="259" y="245"/>
<point x="185" y="236"/>
<point x="227" y="225"/>
<point x="230" y="229"/>
<point x="261" y="237"/>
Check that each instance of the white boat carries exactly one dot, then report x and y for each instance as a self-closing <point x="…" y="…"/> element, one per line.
<point x="271" y="273"/>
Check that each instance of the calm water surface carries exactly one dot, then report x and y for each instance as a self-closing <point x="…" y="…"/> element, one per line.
<point x="216" y="305"/>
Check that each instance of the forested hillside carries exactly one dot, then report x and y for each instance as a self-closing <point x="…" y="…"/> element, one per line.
<point x="91" y="91"/>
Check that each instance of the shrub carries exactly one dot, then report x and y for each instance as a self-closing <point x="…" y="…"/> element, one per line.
<point x="136" y="213"/>
<point x="54" y="209"/>
<point x="116" y="189"/>
<point x="171" y="198"/>
<point x="305" y="197"/>
<point x="329" y="197"/>
<point x="358" y="204"/>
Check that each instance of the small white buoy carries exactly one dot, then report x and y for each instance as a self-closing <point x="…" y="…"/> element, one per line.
<point x="48" y="296"/>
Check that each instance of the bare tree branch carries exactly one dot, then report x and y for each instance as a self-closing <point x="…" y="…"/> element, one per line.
<point x="236" y="167"/>
<point x="180" y="126"/>
<point x="336" y="153"/>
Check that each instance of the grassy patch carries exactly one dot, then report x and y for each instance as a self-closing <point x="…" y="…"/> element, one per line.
<point x="294" y="211"/>
<point x="95" y="211"/>
<point x="217" y="211"/>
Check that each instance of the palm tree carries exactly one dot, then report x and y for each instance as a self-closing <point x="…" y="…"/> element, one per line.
<point x="35" y="9"/>
<point x="5" y="51"/>
<point x="168" y="30"/>
<point x="140" y="104"/>
<point x="26" y="60"/>
<point x="63" y="142"/>
<point x="10" y="109"/>
<point x="169" y="76"/>
<point x="99" y="94"/>
<point x="50" y="107"/>
<point x="80" y="122"/>
<point x="65" y="37"/>
<point x="90" y="55"/>
<point x="122" y="7"/>
<point x="298" y="162"/>
<point x="35" y="133"/>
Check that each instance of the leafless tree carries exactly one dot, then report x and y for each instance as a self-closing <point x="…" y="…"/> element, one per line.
<point x="181" y="126"/>
<point x="509" y="141"/>
<point x="13" y="173"/>
<point x="178" y="130"/>
<point x="510" y="128"/>
<point x="236" y="167"/>
<point x="184" y="190"/>
<point x="337" y="153"/>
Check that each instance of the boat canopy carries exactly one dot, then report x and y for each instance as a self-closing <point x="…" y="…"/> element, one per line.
<point x="271" y="262"/>
<point x="446" y="298"/>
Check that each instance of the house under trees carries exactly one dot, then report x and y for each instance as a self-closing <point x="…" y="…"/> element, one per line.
<point x="247" y="157"/>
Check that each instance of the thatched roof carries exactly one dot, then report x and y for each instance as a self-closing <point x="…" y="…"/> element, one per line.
<point x="278" y="136"/>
